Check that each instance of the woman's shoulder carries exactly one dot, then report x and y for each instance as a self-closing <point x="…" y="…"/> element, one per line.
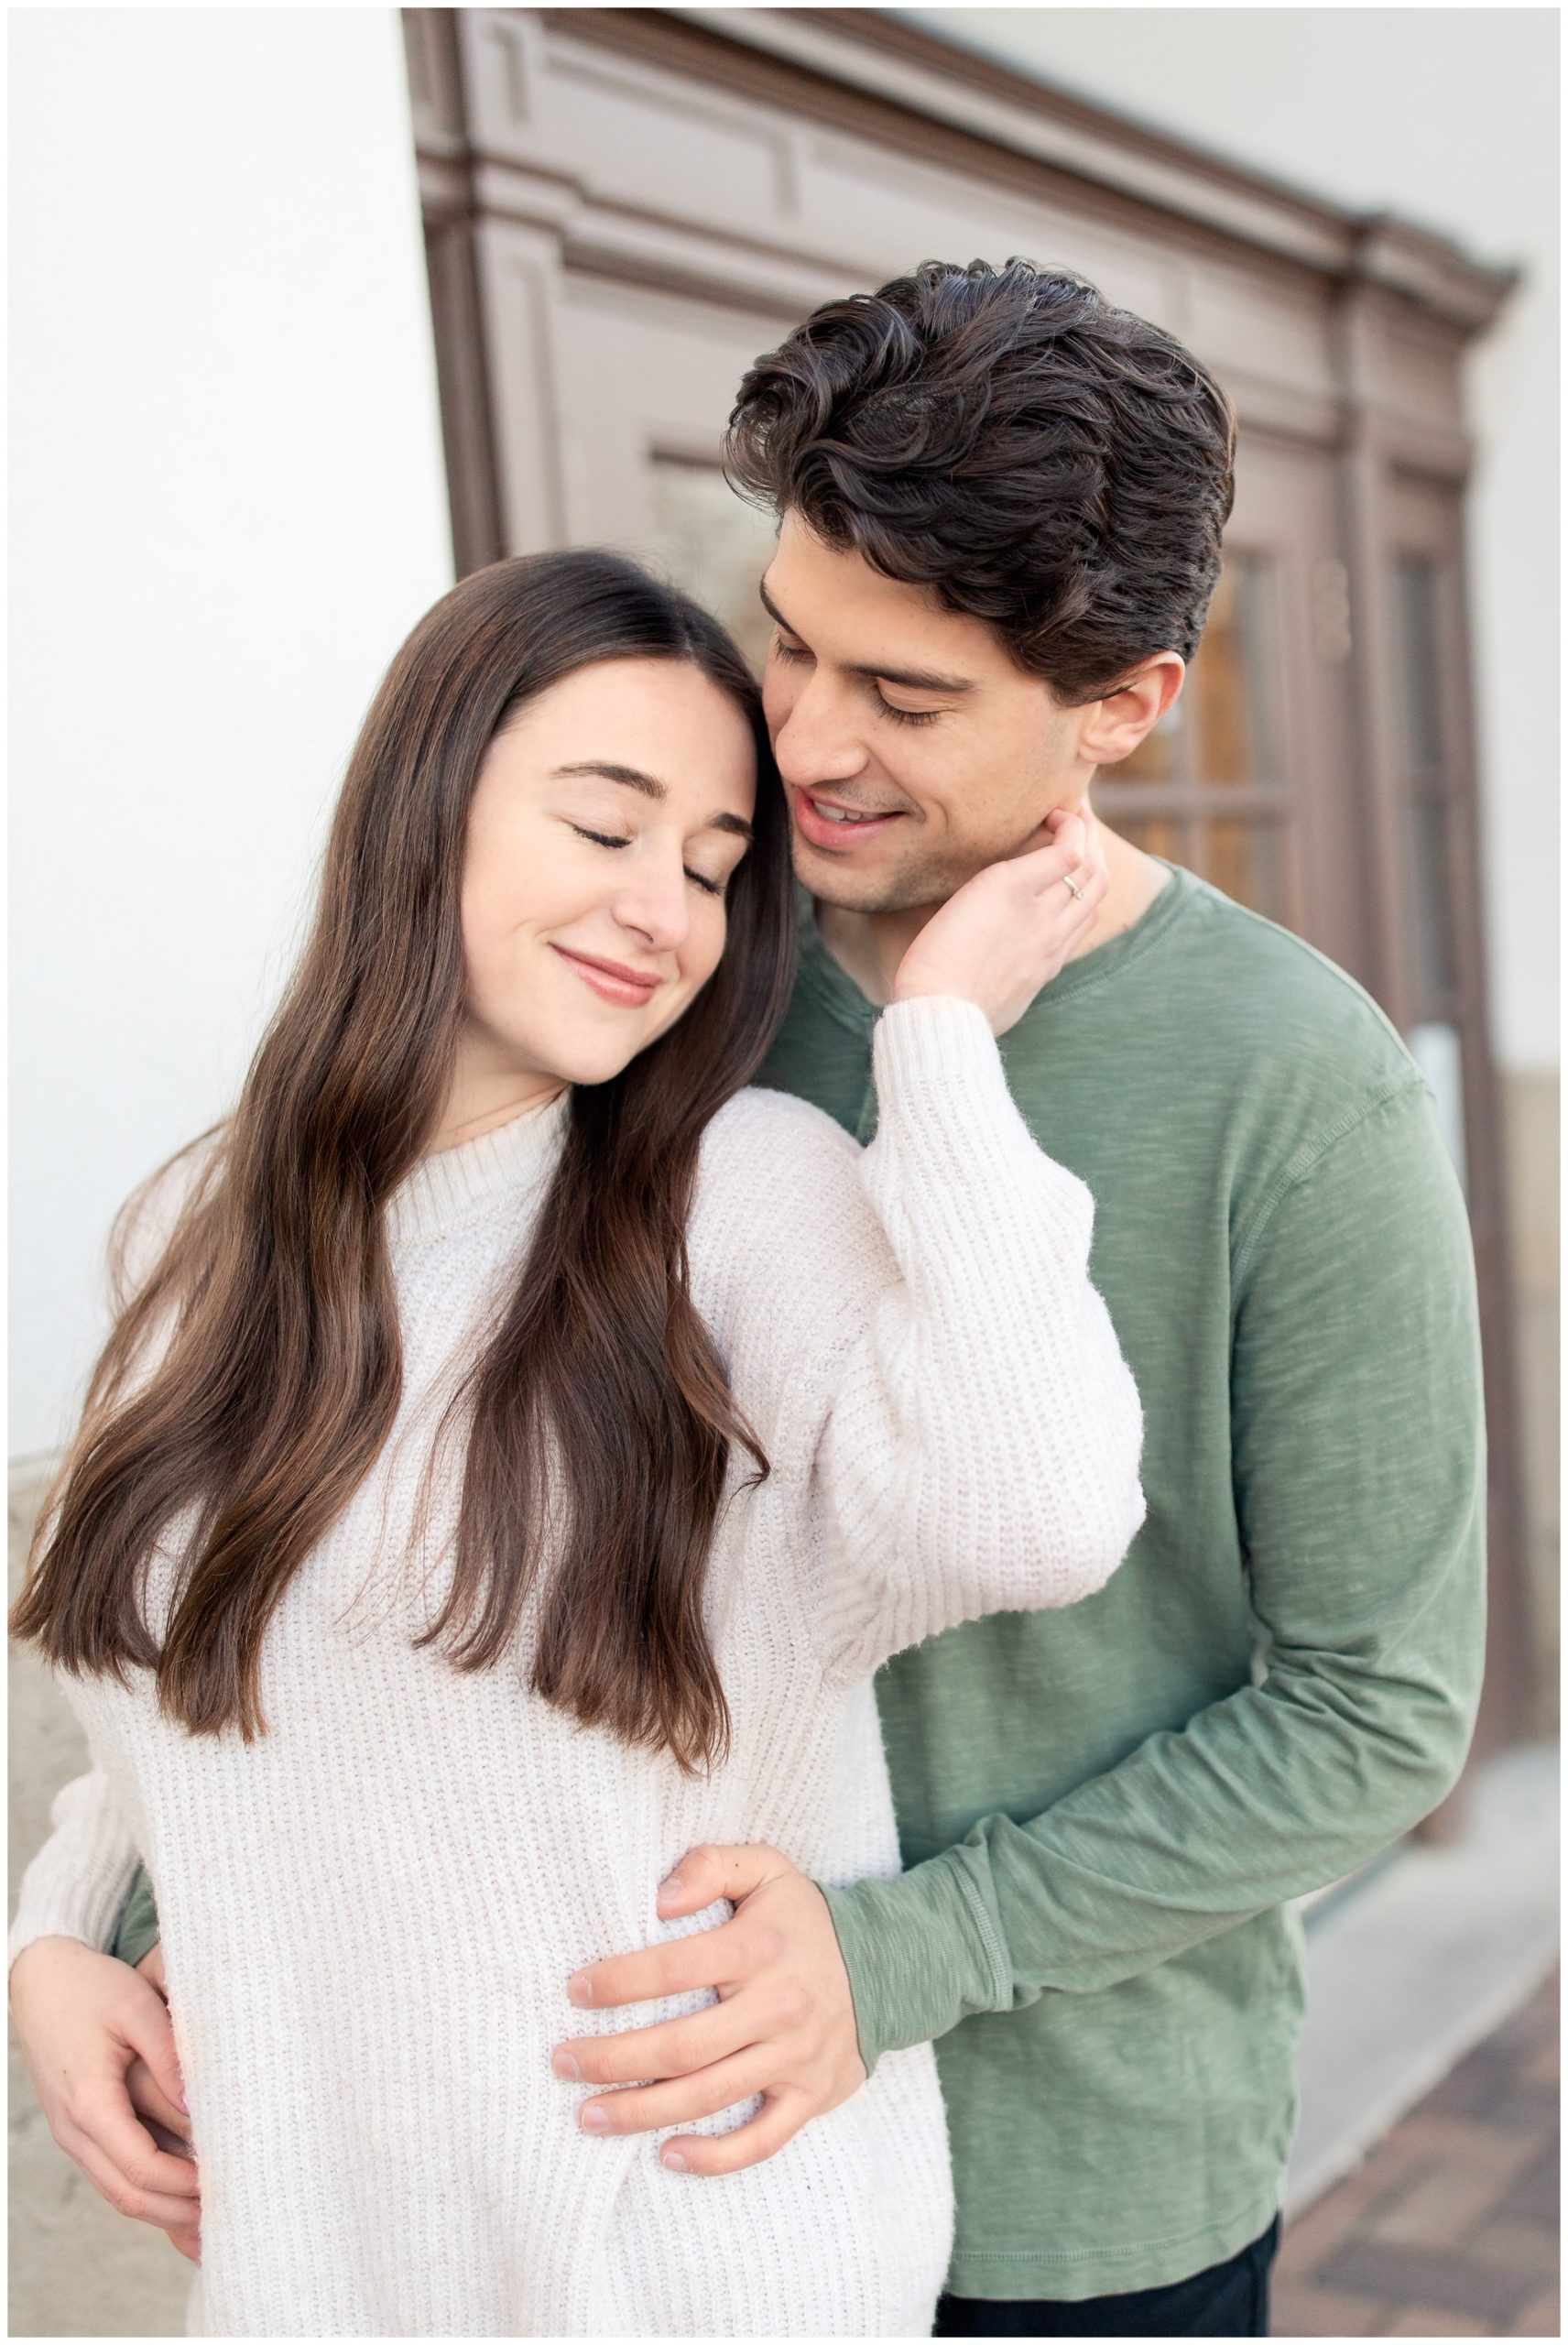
<point x="781" y="1221"/>
<point x="761" y="1142"/>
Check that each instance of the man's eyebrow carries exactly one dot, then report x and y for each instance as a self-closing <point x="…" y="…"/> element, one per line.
<point x="914" y="679"/>
<point x="602" y="769"/>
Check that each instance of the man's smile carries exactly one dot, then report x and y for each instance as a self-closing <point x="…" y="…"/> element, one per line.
<point x="829" y="823"/>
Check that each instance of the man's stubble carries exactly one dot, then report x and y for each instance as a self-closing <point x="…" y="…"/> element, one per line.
<point x="921" y="884"/>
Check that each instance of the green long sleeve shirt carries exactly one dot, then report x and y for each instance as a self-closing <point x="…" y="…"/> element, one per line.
<point x="1103" y="1811"/>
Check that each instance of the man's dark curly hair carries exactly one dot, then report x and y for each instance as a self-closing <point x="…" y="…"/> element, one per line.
<point x="1046" y="462"/>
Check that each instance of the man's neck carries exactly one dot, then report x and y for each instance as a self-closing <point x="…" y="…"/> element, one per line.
<point x="868" y="946"/>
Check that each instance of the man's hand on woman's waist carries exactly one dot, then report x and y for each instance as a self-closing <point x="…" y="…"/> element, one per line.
<point x="783" y="2026"/>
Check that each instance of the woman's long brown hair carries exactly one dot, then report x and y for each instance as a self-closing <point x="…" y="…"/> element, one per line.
<point x="282" y="1370"/>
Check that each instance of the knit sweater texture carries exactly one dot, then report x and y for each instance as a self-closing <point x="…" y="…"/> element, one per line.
<point x="383" y="2147"/>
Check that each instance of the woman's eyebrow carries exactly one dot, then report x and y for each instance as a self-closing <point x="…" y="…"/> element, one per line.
<point x="914" y="679"/>
<point x="633" y="779"/>
<point x="603" y="769"/>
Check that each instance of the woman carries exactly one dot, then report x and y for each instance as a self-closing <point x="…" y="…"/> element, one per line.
<point x="518" y="1446"/>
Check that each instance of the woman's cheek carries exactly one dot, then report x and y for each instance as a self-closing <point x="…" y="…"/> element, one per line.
<point x="698" y="965"/>
<point x="716" y="938"/>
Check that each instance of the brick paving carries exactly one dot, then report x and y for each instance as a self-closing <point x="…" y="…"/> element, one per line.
<point x="1450" y="2229"/>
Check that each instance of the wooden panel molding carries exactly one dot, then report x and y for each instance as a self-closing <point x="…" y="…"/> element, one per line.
<point x="623" y="206"/>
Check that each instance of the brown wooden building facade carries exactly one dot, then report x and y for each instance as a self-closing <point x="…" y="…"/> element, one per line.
<point x="624" y="207"/>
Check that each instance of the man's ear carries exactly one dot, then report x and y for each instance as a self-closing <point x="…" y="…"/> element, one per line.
<point x="1114" y="726"/>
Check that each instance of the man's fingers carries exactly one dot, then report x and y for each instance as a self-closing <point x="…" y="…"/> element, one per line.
<point x="709" y="1958"/>
<point x="705" y="1874"/>
<point x="675" y="2048"/>
<point x="780" y="2119"/>
<point x="646" y="2107"/>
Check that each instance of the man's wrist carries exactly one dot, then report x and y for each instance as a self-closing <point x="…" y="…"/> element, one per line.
<point x="921" y="1952"/>
<point x="137" y="1930"/>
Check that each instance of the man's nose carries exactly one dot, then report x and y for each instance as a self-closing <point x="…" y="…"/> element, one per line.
<point x="818" y="741"/>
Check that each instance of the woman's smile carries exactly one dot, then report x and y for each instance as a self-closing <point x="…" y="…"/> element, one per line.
<point x="612" y="980"/>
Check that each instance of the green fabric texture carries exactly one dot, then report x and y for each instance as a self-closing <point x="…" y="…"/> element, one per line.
<point x="135" y="1934"/>
<point x="1103" y="1811"/>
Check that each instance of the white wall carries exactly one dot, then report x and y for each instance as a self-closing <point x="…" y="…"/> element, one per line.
<point x="228" y="505"/>
<point x="1448" y="116"/>
<point x="228" y="508"/>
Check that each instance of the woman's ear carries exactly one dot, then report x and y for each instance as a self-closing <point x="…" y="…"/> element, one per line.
<point x="1117" y="723"/>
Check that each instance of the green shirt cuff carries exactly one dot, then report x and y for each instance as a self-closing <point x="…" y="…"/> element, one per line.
<point x="921" y="1954"/>
<point x="138" y="1931"/>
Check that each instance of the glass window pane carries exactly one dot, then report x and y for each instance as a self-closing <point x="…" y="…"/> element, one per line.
<point x="1436" y="1051"/>
<point x="1243" y="861"/>
<point x="1415" y="588"/>
<point x="713" y="545"/>
<point x="1429" y="887"/>
<point x="1427" y="897"/>
<point x="1231" y="682"/>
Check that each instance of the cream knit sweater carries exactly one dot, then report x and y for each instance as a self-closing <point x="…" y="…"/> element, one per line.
<point x="369" y="1916"/>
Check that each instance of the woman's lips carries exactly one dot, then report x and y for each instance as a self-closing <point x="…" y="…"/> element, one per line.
<point x="819" y="829"/>
<point x="609" y="980"/>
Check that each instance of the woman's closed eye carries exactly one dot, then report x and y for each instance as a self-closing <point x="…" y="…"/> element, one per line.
<point x="602" y="838"/>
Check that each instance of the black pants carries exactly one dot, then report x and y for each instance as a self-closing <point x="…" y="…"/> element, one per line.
<point x="1227" y="2300"/>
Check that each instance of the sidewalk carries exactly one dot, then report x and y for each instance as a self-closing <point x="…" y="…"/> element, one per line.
<point x="1450" y="2229"/>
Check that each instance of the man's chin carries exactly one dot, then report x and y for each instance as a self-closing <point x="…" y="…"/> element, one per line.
<point x="910" y="887"/>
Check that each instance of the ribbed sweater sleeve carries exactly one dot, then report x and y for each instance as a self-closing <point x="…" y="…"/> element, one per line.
<point x="980" y="1450"/>
<point x="76" y="1884"/>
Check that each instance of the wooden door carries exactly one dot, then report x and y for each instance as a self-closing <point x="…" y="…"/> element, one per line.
<point x="624" y="208"/>
<point x="1248" y="780"/>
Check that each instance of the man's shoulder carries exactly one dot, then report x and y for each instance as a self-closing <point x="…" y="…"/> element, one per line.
<point x="1216" y="1056"/>
<point x="1253" y="993"/>
<point x="1308" y="1068"/>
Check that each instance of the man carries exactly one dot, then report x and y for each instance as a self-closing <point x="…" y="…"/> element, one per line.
<point x="1000" y="504"/>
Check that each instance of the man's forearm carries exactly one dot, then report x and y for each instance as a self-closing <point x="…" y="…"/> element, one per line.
<point x="1269" y="1794"/>
<point x="1358" y="1475"/>
<point x="137" y="1931"/>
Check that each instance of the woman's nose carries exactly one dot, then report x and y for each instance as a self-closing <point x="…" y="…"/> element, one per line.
<point x="654" y="902"/>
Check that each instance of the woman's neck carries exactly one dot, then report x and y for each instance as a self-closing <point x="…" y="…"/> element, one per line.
<point x="484" y="1096"/>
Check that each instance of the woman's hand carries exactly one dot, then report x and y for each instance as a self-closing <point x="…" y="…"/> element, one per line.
<point x="96" y="2036"/>
<point x="1006" y="932"/>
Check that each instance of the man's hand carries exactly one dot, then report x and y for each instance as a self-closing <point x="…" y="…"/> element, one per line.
<point x="783" y="2026"/>
<point x="88" y="2025"/>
